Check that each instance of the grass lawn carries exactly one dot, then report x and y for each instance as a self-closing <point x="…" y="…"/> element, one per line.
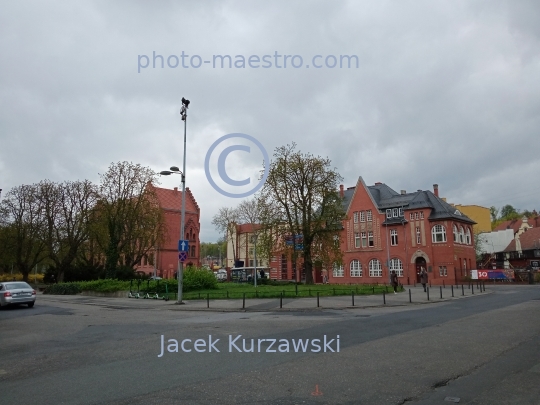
<point x="235" y="290"/>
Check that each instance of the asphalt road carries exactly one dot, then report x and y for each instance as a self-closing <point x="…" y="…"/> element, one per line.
<point x="83" y="350"/>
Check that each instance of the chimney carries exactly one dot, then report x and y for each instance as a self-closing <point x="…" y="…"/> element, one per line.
<point x="378" y="183"/>
<point x="403" y="192"/>
<point x="436" y="190"/>
<point x="341" y="192"/>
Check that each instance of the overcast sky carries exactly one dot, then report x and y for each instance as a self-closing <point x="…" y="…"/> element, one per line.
<point x="445" y="92"/>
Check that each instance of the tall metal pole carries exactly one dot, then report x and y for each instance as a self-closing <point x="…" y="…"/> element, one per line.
<point x="183" y="214"/>
<point x="255" y="269"/>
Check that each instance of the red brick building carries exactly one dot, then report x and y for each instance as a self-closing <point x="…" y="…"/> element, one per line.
<point x="166" y="255"/>
<point x="386" y="231"/>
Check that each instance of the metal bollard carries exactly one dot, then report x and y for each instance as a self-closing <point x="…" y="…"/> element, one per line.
<point x="227" y="294"/>
<point x="317" y="299"/>
<point x="427" y="290"/>
<point x="244" y="301"/>
<point x="441" y="292"/>
<point x="207" y="300"/>
<point x="452" y="291"/>
<point x="410" y="298"/>
<point x="296" y="288"/>
<point x="384" y="297"/>
<point x="352" y="296"/>
<point x="472" y="289"/>
<point x="281" y="300"/>
<point x="462" y="290"/>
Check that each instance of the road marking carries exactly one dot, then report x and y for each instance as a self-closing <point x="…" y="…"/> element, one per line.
<point x="316" y="393"/>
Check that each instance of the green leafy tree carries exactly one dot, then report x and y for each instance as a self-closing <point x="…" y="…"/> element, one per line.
<point x="301" y="197"/>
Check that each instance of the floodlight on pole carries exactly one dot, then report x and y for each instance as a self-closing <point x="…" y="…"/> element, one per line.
<point x="176" y="170"/>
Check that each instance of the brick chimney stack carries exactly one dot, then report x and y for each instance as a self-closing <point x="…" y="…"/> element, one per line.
<point x="341" y="192"/>
<point x="436" y="190"/>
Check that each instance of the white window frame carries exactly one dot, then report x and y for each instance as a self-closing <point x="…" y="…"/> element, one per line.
<point x="355" y="268"/>
<point x="461" y="235"/>
<point x="397" y="266"/>
<point x="371" y="240"/>
<point x="443" y="272"/>
<point x="389" y="213"/>
<point x="338" y="271"/>
<point x="421" y="214"/>
<point x="401" y="212"/>
<point x="412" y="216"/>
<point x="393" y="237"/>
<point x="438" y="232"/>
<point x="362" y="216"/>
<point x="355" y="216"/>
<point x="375" y="268"/>
<point x="395" y="212"/>
<point x="416" y="215"/>
<point x="369" y="215"/>
<point x="357" y="240"/>
<point x="455" y="231"/>
<point x="363" y="236"/>
<point x="468" y="236"/>
<point x="418" y="236"/>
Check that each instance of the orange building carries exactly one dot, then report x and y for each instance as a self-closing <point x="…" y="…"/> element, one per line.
<point x="166" y="263"/>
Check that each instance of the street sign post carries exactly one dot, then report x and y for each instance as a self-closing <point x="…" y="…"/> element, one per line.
<point x="183" y="245"/>
<point x="182" y="256"/>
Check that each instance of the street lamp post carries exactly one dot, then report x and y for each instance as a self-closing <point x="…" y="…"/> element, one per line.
<point x="175" y="170"/>
<point x="254" y="238"/>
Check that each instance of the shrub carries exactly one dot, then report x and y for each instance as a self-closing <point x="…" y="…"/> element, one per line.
<point x="198" y="279"/>
<point x="63" y="289"/>
<point x="19" y="277"/>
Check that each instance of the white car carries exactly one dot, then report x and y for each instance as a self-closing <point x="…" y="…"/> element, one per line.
<point x="17" y="292"/>
<point x="221" y="275"/>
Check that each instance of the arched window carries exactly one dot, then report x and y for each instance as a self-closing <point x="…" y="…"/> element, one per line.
<point x="461" y="235"/>
<point x="438" y="234"/>
<point x="338" y="270"/>
<point x="356" y="268"/>
<point x="468" y="236"/>
<point x="455" y="234"/>
<point x="397" y="266"/>
<point x="375" y="268"/>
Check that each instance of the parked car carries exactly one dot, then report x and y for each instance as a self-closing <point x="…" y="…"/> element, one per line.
<point x="221" y="275"/>
<point x="17" y="292"/>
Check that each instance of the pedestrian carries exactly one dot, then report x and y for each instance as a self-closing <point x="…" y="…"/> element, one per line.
<point x="423" y="278"/>
<point x="394" y="281"/>
<point x="262" y="273"/>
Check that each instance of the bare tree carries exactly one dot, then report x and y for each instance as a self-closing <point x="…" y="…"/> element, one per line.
<point x="131" y="221"/>
<point x="225" y="222"/>
<point x="66" y="208"/>
<point x="21" y="216"/>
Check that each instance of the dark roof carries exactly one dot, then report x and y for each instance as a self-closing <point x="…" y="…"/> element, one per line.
<point x="530" y="240"/>
<point x="385" y="198"/>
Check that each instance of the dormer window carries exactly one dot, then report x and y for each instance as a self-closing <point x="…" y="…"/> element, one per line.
<point x="456" y="212"/>
<point x="389" y="213"/>
<point x="395" y="212"/>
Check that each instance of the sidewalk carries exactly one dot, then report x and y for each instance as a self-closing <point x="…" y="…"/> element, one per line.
<point x="417" y="297"/>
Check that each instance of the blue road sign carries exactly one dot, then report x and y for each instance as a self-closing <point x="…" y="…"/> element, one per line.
<point x="183" y="246"/>
<point x="182" y="256"/>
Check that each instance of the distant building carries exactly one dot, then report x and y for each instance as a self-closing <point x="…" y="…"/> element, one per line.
<point x="480" y="215"/>
<point x="523" y="252"/>
<point x="166" y="263"/>
<point x="241" y="247"/>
